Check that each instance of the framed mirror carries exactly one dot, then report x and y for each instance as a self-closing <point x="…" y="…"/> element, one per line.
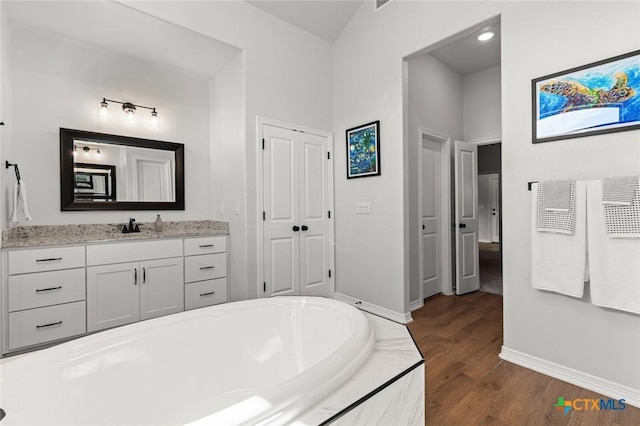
<point x="109" y="172"/>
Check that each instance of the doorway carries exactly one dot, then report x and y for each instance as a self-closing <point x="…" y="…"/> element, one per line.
<point x="490" y="217"/>
<point x="452" y="88"/>
<point x="434" y="207"/>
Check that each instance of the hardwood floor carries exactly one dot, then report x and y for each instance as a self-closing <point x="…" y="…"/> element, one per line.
<point x="467" y="384"/>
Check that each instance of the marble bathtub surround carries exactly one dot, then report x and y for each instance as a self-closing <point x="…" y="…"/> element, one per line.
<point x="43" y="235"/>
<point x="394" y="355"/>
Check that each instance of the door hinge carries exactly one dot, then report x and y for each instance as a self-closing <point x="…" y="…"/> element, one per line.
<point x="328" y="155"/>
<point x="264" y="287"/>
<point x="262" y="143"/>
<point x="329" y="273"/>
<point x="329" y="212"/>
<point x="264" y="215"/>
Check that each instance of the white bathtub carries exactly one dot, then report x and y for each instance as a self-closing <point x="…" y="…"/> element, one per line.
<point x="248" y="362"/>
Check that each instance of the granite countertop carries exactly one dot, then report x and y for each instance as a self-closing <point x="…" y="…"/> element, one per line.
<point x="49" y="235"/>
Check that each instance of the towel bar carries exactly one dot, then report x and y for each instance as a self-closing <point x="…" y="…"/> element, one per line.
<point x="15" y="167"/>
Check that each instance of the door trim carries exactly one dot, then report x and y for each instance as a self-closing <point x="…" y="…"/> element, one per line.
<point x="260" y="123"/>
<point x="445" y="211"/>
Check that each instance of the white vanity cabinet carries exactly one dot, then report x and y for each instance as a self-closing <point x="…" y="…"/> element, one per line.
<point x="205" y="271"/>
<point x="44" y="296"/>
<point x="50" y="294"/>
<point x="122" y="293"/>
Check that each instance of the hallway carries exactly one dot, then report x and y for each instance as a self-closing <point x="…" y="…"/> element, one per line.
<point x="490" y="265"/>
<point x="467" y="384"/>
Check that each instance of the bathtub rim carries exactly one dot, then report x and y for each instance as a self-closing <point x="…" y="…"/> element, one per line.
<point x="292" y="401"/>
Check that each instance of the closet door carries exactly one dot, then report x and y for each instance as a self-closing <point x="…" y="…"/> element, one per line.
<point x="314" y="215"/>
<point x="281" y="238"/>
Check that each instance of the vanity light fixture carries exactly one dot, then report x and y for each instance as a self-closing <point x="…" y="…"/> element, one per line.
<point x="87" y="150"/>
<point x="129" y="109"/>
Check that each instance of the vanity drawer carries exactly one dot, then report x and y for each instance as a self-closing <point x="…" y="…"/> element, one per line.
<point x="46" y="288"/>
<point x="205" y="293"/>
<point x="206" y="245"/>
<point x="46" y="324"/>
<point x="104" y="254"/>
<point x="205" y="267"/>
<point x="46" y="259"/>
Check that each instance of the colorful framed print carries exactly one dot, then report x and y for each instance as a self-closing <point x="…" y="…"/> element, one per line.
<point x="601" y="97"/>
<point x="363" y="150"/>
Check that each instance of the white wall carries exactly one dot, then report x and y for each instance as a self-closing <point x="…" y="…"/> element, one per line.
<point x="287" y="78"/>
<point x="570" y="332"/>
<point x="382" y="276"/>
<point x="564" y="330"/>
<point x="57" y="83"/>
<point x="6" y="152"/>
<point x="482" y="105"/>
<point x="228" y="161"/>
<point x="434" y="103"/>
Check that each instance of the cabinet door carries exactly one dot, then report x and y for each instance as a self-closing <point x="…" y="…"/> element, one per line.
<point x="161" y="288"/>
<point x="113" y="297"/>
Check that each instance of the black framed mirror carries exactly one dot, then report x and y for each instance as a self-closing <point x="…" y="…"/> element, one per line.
<point x="110" y="172"/>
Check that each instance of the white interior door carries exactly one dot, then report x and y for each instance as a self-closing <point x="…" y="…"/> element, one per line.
<point x="314" y="210"/>
<point x="466" y="217"/>
<point x="153" y="182"/>
<point x="431" y="258"/>
<point x="281" y="241"/>
<point x="495" y="209"/>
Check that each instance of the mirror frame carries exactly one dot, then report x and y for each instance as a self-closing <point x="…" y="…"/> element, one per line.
<point x="67" y="198"/>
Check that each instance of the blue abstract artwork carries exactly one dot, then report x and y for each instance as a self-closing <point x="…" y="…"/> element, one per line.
<point x="363" y="150"/>
<point x="598" y="98"/>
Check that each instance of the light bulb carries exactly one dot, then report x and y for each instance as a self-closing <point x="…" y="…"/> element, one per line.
<point x="154" y="123"/>
<point x="103" y="111"/>
<point x="129" y="109"/>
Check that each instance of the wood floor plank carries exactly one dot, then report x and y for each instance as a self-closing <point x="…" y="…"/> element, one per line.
<point x="467" y="384"/>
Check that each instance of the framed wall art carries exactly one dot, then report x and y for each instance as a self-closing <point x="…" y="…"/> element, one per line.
<point x="363" y="150"/>
<point x="601" y="97"/>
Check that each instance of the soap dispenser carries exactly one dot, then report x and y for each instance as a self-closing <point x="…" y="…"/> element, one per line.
<point x="159" y="225"/>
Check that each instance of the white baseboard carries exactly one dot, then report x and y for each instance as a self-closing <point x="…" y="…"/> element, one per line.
<point x="375" y="309"/>
<point x="596" y="384"/>
<point x="416" y="304"/>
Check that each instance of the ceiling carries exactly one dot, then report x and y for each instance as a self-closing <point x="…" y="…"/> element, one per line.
<point x="324" y="19"/>
<point x="466" y="55"/>
<point x="125" y="31"/>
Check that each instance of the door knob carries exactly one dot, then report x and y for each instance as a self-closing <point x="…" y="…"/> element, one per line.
<point x="422" y="226"/>
<point x="296" y="228"/>
<point x="462" y="225"/>
<point x="305" y="227"/>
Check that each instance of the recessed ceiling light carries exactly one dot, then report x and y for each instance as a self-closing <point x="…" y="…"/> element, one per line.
<point x="485" y="36"/>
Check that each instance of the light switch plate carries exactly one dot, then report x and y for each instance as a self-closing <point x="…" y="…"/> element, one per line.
<point x="363" y="208"/>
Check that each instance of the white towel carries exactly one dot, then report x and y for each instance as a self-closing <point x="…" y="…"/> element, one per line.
<point x="20" y="201"/>
<point x="622" y="221"/>
<point x="614" y="266"/>
<point x="619" y="190"/>
<point x="557" y="195"/>
<point x="556" y="219"/>
<point x="558" y="261"/>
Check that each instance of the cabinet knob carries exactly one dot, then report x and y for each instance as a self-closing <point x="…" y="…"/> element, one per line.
<point x="295" y="228"/>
